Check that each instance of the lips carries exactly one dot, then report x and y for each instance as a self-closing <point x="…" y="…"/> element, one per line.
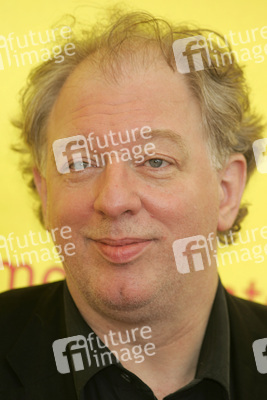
<point x="121" y="251"/>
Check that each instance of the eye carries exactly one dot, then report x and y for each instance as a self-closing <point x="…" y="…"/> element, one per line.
<point x="157" y="162"/>
<point x="79" y="165"/>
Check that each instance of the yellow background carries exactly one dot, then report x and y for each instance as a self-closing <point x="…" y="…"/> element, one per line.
<point x="246" y="279"/>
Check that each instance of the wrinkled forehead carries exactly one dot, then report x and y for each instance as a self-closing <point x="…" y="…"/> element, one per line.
<point x="140" y="97"/>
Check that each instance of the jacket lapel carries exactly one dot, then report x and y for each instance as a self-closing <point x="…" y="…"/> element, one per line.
<point x="245" y="328"/>
<point x="32" y="356"/>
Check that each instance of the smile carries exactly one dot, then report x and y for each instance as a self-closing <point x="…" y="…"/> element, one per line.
<point x="123" y="250"/>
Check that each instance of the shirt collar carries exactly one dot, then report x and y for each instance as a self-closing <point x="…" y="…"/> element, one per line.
<point x="76" y="325"/>
<point x="214" y="358"/>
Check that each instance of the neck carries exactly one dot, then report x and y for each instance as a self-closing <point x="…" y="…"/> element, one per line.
<point x="170" y="338"/>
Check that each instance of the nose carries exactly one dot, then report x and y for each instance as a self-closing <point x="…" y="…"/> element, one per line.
<point x="117" y="191"/>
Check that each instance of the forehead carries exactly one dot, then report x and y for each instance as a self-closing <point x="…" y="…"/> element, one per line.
<point x="155" y="96"/>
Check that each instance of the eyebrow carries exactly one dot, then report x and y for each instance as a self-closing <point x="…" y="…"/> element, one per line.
<point x="168" y="134"/>
<point x="171" y="135"/>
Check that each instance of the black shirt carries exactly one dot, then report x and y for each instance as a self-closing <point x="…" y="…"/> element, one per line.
<point x="109" y="380"/>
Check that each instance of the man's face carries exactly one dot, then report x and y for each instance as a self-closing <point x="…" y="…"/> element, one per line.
<point x="125" y="216"/>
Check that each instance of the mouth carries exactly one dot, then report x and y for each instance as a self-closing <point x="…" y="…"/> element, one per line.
<point x="121" y="251"/>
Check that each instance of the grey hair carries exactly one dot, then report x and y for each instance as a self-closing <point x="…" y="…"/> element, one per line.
<point x="230" y="125"/>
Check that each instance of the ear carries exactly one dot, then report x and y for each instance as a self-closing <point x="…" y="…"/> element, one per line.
<point x="40" y="183"/>
<point x="232" y="184"/>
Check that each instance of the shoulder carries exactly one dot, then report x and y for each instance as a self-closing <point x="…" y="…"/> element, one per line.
<point x="244" y="313"/>
<point x="30" y="293"/>
<point x="16" y="304"/>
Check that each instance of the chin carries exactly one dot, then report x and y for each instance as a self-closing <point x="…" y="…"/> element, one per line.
<point x="119" y="298"/>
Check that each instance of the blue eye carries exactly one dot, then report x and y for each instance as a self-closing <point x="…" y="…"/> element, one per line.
<point x="156" y="162"/>
<point x="79" y="165"/>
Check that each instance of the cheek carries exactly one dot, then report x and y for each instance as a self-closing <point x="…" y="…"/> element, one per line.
<point x="187" y="208"/>
<point x="173" y="207"/>
<point x="67" y="206"/>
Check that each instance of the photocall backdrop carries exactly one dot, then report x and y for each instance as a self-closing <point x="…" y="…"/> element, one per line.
<point x="244" y="269"/>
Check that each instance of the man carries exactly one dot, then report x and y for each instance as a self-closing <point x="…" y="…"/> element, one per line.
<point x="121" y="89"/>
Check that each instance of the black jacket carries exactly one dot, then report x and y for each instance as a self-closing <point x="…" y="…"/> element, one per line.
<point x="32" y="318"/>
